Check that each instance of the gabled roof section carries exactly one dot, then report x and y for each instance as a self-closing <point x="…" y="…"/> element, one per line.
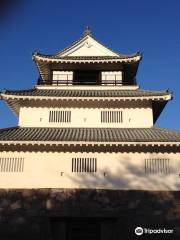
<point x="86" y="46"/>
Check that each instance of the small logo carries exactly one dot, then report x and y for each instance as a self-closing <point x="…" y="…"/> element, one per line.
<point x="138" y="231"/>
<point x="88" y="44"/>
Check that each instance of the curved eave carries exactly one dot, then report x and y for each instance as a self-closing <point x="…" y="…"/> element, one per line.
<point x="165" y="97"/>
<point x="47" y="59"/>
<point x="43" y="63"/>
<point x="157" y="108"/>
<point x="14" y="101"/>
<point x="13" y="104"/>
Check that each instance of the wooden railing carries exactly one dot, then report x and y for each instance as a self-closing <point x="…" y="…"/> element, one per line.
<point x="72" y="82"/>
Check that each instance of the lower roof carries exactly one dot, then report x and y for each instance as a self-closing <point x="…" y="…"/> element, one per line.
<point x="84" y="135"/>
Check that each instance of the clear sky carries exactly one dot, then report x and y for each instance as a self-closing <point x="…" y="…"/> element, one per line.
<point x="47" y="26"/>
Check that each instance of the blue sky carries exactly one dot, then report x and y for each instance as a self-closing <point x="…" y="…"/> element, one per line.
<point x="127" y="26"/>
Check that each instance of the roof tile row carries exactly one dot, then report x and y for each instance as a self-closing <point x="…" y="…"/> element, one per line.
<point x="85" y="93"/>
<point x="90" y="134"/>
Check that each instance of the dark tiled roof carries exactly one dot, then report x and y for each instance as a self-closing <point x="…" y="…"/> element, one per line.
<point x="90" y="134"/>
<point x="89" y="57"/>
<point x="86" y="93"/>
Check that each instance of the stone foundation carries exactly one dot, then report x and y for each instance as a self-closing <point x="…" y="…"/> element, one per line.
<point x="27" y="214"/>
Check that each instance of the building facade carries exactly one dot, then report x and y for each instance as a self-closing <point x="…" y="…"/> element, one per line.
<point x="87" y="126"/>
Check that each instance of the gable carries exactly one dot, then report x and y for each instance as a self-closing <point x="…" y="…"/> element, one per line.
<point x="87" y="46"/>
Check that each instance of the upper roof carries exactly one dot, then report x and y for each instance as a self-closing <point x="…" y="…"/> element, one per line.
<point x="88" y="93"/>
<point x="85" y="50"/>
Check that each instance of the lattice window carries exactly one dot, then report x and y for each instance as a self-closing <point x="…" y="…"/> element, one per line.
<point x="11" y="164"/>
<point x="111" y="116"/>
<point x="157" y="166"/>
<point x="84" y="164"/>
<point x="59" y="116"/>
<point x="62" y="75"/>
<point x="114" y="75"/>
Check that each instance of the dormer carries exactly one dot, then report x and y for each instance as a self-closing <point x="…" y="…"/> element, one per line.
<point x="87" y="62"/>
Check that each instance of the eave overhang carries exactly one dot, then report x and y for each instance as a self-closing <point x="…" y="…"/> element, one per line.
<point x="85" y="143"/>
<point x="75" y="147"/>
<point x="165" y="97"/>
<point x="45" y="64"/>
<point x="43" y="58"/>
<point x="158" y="101"/>
<point x="157" y="107"/>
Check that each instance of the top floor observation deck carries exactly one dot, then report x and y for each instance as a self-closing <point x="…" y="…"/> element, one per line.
<point x="86" y="77"/>
<point x="87" y="62"/>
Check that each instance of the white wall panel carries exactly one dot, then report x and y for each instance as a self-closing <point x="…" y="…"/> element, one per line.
<point x="114" y="171"/>
<point x="87" y="117"/>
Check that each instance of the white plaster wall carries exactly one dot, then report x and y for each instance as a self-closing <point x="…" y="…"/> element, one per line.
<point x="86" y="117"/>
<point x="122" y="170"/>
<point x="89" y="47"/>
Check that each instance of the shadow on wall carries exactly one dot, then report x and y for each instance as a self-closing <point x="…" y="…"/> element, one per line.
<point x="130" y="176"/>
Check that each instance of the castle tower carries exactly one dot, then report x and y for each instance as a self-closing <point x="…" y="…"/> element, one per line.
<point x="88" y="125"/>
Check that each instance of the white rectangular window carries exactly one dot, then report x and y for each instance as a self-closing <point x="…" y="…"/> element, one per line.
<point x="59" y="116"/>
<point x="157" y="166"/>
<point x="11" y="165"/>
<point x="111" y="77"/>
<point x="111" y="116"/>
<point x="62" y="75"/>
<point x="84" y="165"/>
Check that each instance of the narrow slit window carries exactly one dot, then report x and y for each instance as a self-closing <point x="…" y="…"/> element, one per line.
<point x="11" y="165"/>
<point x="157" y="166"/>
<point x="111" y="116"/>
<point x="84" y="164"/>
<point x="59" y="116"/>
